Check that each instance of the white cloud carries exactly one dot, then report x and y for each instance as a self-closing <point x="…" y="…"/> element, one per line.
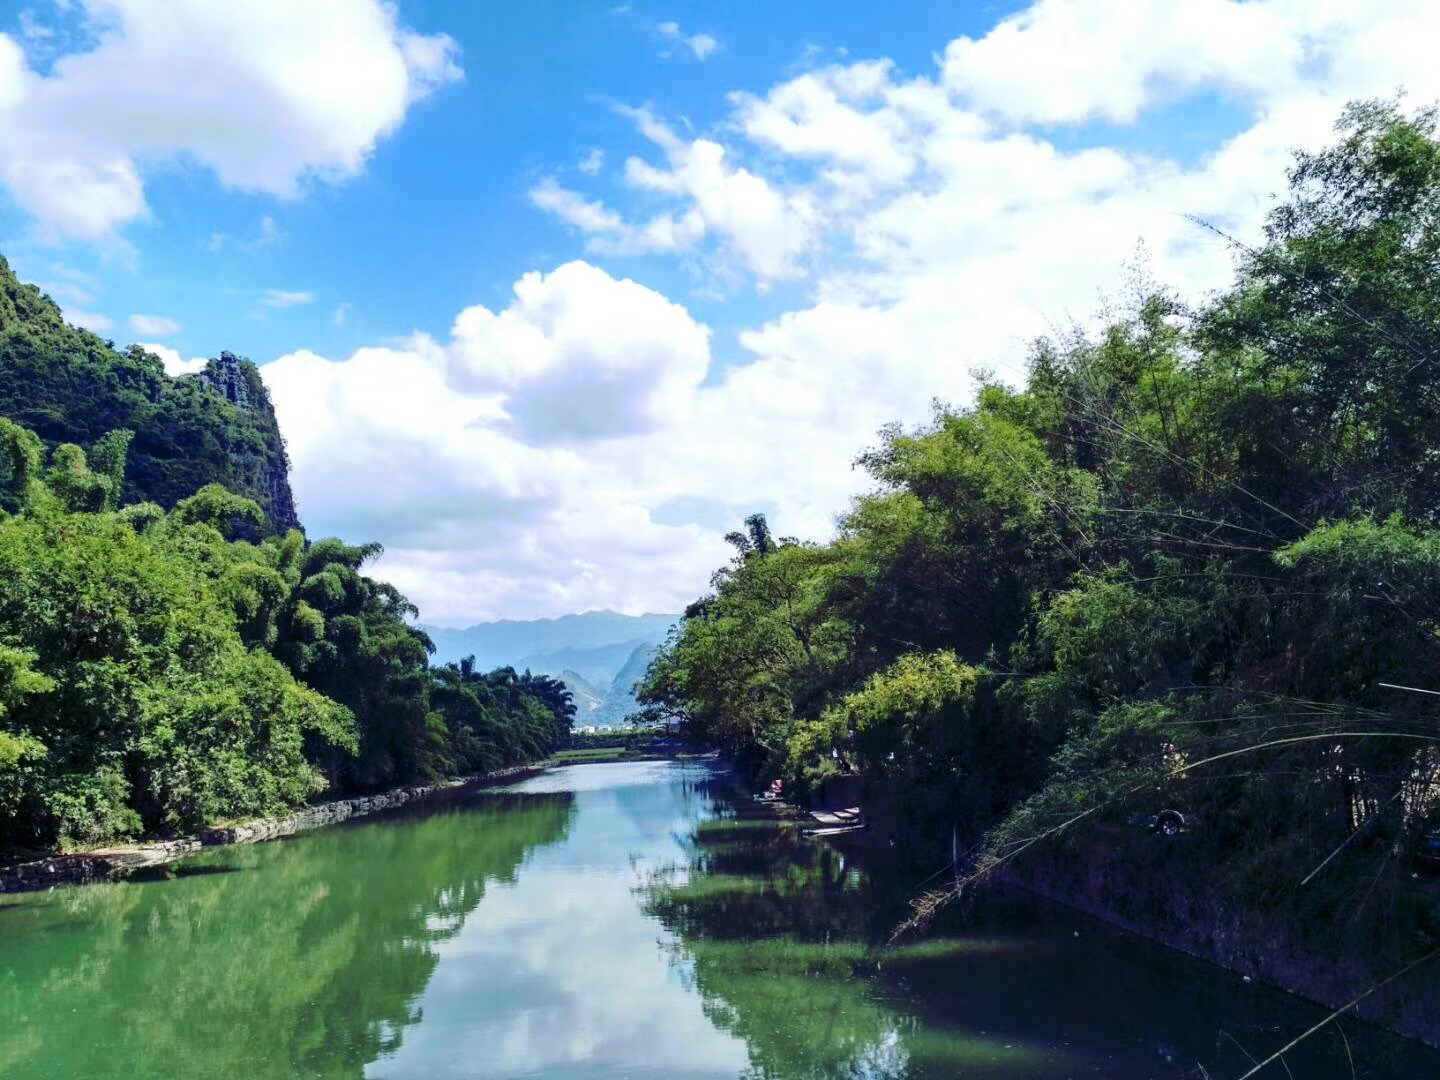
<point x="154" y="325"/>
<point x="592" y="162"/>
<point x="89" y="320"/>
<point x="529" y="464"/>
<point x="702" y="46"/>
<point x="579" y="355"/>
<point x="13" y="74"/>
<point x="829" y="115"/>
<point x="765" y="227"/>
<point x="174" y="363"/>
<point x="1063" y="61"/>
<point x="266" y="94"/>
<point x="511" y="445"/>
<point x="283" y="298"/>
<point x="586" y="215"/>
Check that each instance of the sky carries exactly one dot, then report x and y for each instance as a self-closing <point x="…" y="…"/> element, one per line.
<point x="549" y="296"/>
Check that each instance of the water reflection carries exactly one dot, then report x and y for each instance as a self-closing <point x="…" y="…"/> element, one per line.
<point x="783" y="937"/>
<point x="600" y="921"/>
<point x="302" y="959"/>
<point x="562" y="975"/>
<point x="780" y="935"/>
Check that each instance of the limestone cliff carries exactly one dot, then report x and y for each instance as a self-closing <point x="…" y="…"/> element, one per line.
<point x="68" y="385"/>
<point x="238" y="381"/>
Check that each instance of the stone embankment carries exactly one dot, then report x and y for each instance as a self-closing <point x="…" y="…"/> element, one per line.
<point x="112" y="864"/>
<point x="1152" y="890"/>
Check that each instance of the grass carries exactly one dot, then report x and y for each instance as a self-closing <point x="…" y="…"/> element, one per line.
<point x="587" y="755"/>
<point x="716" y="826"/>
<point x="590" y="756"/>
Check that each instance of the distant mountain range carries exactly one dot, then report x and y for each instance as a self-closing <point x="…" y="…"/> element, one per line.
<point x="599" y="654"/>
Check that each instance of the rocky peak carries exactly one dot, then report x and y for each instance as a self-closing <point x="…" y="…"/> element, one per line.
<point x="231" y="377"/>
<point x="239" y="382"/>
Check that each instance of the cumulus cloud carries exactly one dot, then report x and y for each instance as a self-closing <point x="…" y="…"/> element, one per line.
<point x="499" y="466"/>
<point x="534" y="461"/>
<point x="174" y="363"/>
<point x="579" y="355"/>
<point x="154" y="325"/>
<point x="828" y="115"/>
<point x="1062" y="61"/>
<point x="271" y="95"/>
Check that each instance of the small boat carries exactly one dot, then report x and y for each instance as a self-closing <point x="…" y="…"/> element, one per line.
<point x="835" y="830"/>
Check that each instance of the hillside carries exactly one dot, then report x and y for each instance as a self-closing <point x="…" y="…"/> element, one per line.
<point x="162" y="669"/>
<point x="588" y="699"/>
<point x="594" y="644"/>
<point x="68" y="385"/>
<point x="598" y="654"/>
<point x="620" y="700"/>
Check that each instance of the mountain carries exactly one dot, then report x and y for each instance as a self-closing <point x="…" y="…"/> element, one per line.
<point x="588" y="699"/>
<point x="597" y="665"/>
<point x="68" y="385"/>
<point x="620" y="700"/>
<point x="595" y="644"/>
<point x="599" y="654"/>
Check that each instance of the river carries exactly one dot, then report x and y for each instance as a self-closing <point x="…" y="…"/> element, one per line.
<point x="628" y="920"/>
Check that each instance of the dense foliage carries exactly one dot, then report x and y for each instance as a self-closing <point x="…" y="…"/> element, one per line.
<point x="1177" y="568"/>
<point x="68" y="386"/>
<point x="158" y="672"/>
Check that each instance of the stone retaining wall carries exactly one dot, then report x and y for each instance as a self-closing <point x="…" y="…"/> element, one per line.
<point x="114" y="863"/>
<point x="1154" y="891"/>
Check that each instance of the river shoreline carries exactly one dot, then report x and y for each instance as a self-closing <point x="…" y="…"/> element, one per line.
<point x="1150" y="901"/>
<point x="1255" y="949"/>
<point x="119" y="862"/>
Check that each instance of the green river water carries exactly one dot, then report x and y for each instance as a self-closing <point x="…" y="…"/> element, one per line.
<point x="606" y="921"/>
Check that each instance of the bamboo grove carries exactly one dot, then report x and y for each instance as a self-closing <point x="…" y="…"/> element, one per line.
<point x="160" y="671"/>
<point x="1187" y="564"/>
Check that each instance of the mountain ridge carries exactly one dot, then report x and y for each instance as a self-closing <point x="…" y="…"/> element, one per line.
<point x="69" y="385"/>
<point x="599" y="654"/>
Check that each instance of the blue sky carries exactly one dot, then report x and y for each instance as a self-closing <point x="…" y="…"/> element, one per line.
<point x="440" y="216"/>
<point x="549" y="295"/>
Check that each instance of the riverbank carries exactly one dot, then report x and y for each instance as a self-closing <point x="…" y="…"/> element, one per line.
<point x="1153" y="898"/>
<point x="115" y="863"/>
<point x="606" y="755"/>
<point x="1152" y="890"/>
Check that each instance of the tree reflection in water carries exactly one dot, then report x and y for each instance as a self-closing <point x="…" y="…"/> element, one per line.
<point x="306" y="960"/>
<point x="784" y="938"/>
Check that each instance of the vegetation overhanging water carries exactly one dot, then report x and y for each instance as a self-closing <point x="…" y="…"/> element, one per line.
<point x="638" y="919"/>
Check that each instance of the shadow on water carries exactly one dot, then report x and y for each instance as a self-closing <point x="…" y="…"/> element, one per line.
<point x="784" y="939"/>
<point x="311" y="968"/>
<point x="174" y="871"/>
<point x="637" y="920"/>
